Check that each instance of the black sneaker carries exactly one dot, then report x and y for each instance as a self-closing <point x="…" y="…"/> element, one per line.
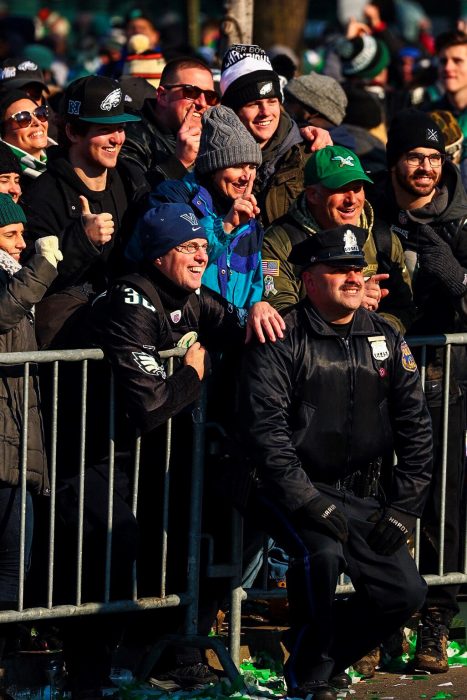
<point x="317" y="690"/>
<point x="190" y="677"/>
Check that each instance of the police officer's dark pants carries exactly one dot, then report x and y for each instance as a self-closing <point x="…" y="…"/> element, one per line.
<point x="329" y="634"/>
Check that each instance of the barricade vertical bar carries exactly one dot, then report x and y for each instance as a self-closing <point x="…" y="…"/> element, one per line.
<point x="82" y="456"/>
<point x="165" y="507"/>
<point x="53" y="484"/>
<point x="134" y="506"/>
<point x="196" y="504"/>
<point x="444" y="456"/>
<point x="237" y="590"/>
<point x="265" y="566"/>
<point x="108" y="550"/>
<point x="23" y="484"/>
<point x="422" y="370"/>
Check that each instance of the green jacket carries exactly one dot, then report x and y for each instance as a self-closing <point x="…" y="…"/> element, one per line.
<point x="279" y="179"/>
<point x="282" y="283"/>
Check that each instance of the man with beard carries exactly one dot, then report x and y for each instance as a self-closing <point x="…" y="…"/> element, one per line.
<point x="423" y="199"/>
<point x="323" y="409"/>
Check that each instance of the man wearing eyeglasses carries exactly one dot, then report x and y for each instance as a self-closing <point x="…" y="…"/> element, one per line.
<point x="424" y="201"/>
<point x="166" y="142"/>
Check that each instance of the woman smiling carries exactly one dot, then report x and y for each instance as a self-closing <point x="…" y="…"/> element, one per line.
<point x="24" y="128"/>
<point x="220" y="193"/>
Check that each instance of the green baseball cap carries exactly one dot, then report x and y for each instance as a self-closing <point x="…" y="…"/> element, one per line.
<point x="334" y="167"/>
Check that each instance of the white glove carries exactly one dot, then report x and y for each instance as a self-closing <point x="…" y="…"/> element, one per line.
<point x="48" y="248"/>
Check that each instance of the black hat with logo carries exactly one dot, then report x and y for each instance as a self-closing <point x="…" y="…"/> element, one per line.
<point x="16" y="73"/>
<point x="96" y="99"/>
<point x="341" y="246"/>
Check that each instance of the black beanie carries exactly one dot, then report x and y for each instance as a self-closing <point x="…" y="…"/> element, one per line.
<point x="9" y="163"/>
<point x="259" y="85"/>
<point x="411" y="129"/>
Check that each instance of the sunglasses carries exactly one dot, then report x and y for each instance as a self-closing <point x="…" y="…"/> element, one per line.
<point x="24" y="118"/>
<point x="192" y="92"/>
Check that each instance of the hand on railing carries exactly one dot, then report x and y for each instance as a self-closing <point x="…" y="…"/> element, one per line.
<point x="198" y="358"/>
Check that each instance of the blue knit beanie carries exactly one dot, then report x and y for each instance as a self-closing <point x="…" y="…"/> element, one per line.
<point x="161" y="229"/>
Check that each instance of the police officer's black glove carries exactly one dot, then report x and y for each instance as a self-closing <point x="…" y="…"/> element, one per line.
<point x="323" y="515"/>
<point x="437" y="258"/>
<point x="391" y="531"/>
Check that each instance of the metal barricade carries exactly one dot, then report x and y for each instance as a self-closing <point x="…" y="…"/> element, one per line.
<point x="449" y="577"/>
<point x="188" y="598"/>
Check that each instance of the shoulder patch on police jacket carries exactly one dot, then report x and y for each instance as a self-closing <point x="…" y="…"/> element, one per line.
<point x="408" y="362"/>
<point x="379" y="348"/>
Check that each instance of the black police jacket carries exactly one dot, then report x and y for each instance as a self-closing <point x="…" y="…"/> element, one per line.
<point x="319" y="407"/>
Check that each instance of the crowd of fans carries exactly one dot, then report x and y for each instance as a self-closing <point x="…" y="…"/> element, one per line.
<point x="135" y="170"/>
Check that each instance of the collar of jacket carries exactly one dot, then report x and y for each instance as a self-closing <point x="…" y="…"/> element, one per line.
<point x="286" y="135"/>
<point x="172" y="296"/>
<point x="363" y="322"/>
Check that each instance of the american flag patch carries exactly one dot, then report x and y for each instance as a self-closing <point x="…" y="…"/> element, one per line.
<point x="270" y="267"/>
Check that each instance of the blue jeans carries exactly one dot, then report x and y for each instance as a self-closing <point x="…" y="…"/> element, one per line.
<point x="10" y="511"/>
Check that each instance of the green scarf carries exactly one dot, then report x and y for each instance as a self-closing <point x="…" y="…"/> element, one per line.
<point x="30" y="166"/>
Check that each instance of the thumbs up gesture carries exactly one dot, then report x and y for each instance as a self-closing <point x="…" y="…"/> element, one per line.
<point x="97" y="227"/>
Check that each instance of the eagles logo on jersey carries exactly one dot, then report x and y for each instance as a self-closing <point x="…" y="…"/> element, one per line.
<point x="149" y="364"/>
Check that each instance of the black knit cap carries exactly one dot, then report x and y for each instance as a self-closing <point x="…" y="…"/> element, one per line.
<point x="259" y="85"/>
<point x="9" y="163"/>
<point x="411" y="129"/>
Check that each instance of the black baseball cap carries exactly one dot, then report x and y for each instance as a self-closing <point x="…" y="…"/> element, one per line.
<point x="16" y="73"/>
<point x="341" y="246"/>
<point x="96" y="99"/>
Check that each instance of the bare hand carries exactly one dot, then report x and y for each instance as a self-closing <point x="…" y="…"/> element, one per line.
<point x="264" y="320"/>
<point x="374" y="293"/>
<point x="356" y="28"/>
<point x="317" y="137"/>
<point x="198" y="358"/>
<point x="188" y="137"/>
<point x="243" y="209"/>
<point x="98" y="228"/>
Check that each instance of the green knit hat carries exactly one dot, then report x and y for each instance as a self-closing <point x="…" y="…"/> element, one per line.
<point x="10" y="212"/>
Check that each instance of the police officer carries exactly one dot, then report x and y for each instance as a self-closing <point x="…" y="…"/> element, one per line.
<point x="325" y="408"/>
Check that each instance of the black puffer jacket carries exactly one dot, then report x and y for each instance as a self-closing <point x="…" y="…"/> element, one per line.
<point x="151" y="149"/>
<point x="319" y="407"/>
<point x="18" y="294"/>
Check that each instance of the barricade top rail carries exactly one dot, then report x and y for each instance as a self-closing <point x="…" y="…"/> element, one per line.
<point x="445" y="339"/>
<point x="42" y="356"/>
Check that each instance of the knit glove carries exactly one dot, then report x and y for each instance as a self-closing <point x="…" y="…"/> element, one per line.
<point x="47" y="246"/>
<point x="436" y="258"/>
<point x="322" y="514"/>
<point x="391" y="531"/>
